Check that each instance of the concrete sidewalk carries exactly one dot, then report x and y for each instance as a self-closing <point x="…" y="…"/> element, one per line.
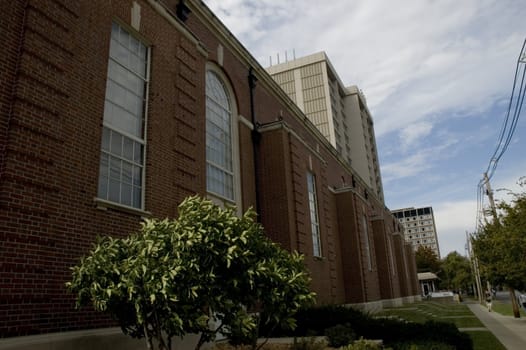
<point x="510" y="331"/>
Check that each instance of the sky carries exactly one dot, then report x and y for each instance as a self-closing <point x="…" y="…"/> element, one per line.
<point x="437" y="75"/>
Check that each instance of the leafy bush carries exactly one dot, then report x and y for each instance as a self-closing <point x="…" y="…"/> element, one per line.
<point x="176" y="276"/>
<point x="308" y="343"/>
<point x="363" y="344"/>
<point x="314" y="321"/>
<point x="422" y="345"/>
<point x="340" y="335"/>
<point x="393" y="332"/>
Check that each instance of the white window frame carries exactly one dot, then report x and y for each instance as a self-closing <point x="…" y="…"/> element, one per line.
<point x="234" y="139"/>
<point x="314" y="215"/>
<point x="126" y="135"/>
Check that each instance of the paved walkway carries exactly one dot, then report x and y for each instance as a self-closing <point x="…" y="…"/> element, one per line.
<point x="510" y="331"/>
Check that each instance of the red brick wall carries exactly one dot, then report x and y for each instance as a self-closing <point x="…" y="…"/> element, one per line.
<point x="393" y="230"/>
<point x="51" y="159"/>
<point x="352" y="264"/>
<point x="413" y="283"/>
<point x="284" y="162"/>
<point x="11" y="27"/>
<point x="276" y="194"/>
<point x="382" y="259"/>
<point x="401" y="264"/>
<point x="52" y="93"/>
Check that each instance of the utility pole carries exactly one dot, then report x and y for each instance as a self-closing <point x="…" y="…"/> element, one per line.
<point x="475" y="265"/>
<point x="489" y="193"/>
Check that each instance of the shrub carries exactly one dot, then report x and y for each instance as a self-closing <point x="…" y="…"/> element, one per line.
<point x="308" y="343"/>
<point x="422" y="345"/>
<point x="340" y="335"/>
<point x="314" y="321"/>
<point x="175" y="276"/>
<point x="363" y="344"/>
<point x="395" y="332"/>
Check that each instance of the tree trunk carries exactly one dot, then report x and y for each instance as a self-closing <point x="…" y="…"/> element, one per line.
<point x="514" y="304"/>
<point x="149" y="344"/>
<point x="200" y="342"/>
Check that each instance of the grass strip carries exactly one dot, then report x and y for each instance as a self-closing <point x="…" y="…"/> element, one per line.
<point x="451" y="312"/>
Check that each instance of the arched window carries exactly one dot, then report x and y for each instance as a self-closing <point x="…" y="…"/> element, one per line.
<point x="221" y="154"/>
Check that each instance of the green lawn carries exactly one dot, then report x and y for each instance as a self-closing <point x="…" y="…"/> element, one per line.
<point x="439" y="311"/>
<point x="505" y="309"/>
<point x="448" y="311"/>
<point x="485" y="340"/>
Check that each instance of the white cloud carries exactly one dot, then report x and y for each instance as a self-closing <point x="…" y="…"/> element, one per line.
<point x="453" y="219"/>
<point x="419" y="161"/>
<point x="420" y="64"/>
<point x="414" y="132"/>
<point x="406" y="167"/>
<point x="411" y="58"/>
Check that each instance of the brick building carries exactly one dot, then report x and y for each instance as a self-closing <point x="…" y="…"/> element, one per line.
<point x="113" y="111"/>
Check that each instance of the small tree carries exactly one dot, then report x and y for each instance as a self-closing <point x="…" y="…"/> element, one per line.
<point x="426" y="260"/>
<point x="202" y="273"/>
<point x="456" y="272"/>
<point x="501" y="248"/>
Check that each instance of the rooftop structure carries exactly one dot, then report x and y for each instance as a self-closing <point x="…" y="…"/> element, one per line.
<point x="340" y="113"/>
<point x="419" y="227"/>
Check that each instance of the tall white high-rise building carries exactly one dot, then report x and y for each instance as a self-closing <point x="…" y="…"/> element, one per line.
<point x="419" y="227"/>
<point x="340" y="113"/>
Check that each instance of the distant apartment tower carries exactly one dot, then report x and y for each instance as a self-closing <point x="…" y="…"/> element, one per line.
<point x="419" y="227"/>
<point x="340" y="113"/>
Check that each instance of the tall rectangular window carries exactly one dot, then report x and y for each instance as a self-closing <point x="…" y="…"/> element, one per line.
<point x="367" y="245"/>
<point x="313" y="205"/>
<point x="121" y="171"/>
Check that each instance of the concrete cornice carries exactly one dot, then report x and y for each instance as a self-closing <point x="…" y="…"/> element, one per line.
<point x="282" y="125"/>
<point x="165" y="12"/>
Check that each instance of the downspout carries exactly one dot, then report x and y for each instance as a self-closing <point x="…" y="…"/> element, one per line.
<point x="256" y="136"/>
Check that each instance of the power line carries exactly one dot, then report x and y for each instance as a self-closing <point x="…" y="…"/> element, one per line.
<point x="506" y="133"/>
<point x="509" y="126"/>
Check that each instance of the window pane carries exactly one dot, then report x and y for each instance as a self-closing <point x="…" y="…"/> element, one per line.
<point x="134" y="45"/>
<point x="128" y="148"/>
<point x="123" y="115"/>
<point x="142" y="52"/>
<point x="124" y="37"/>
<point x="115" y="168"/>
<point x="137" y="153"/>
<point x="137" y="178"/>
<point x="220" y="179"/>
<point x="103" y="187"/>
<point x="104" y="165"/>
<point x="137" y="197"/>
<point x="123" y="120"/>
<point x="116" y="144"/>
<point x="139" y="107"/>
<point x="313" y="209"/>
<point x="229" y="186"/>
<point x="114" y="191"/>
<point x="126" y="194"/>
<point x="126" y="172"/>
<point x="114" y="30"/>
<point x="106" y="139"/>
